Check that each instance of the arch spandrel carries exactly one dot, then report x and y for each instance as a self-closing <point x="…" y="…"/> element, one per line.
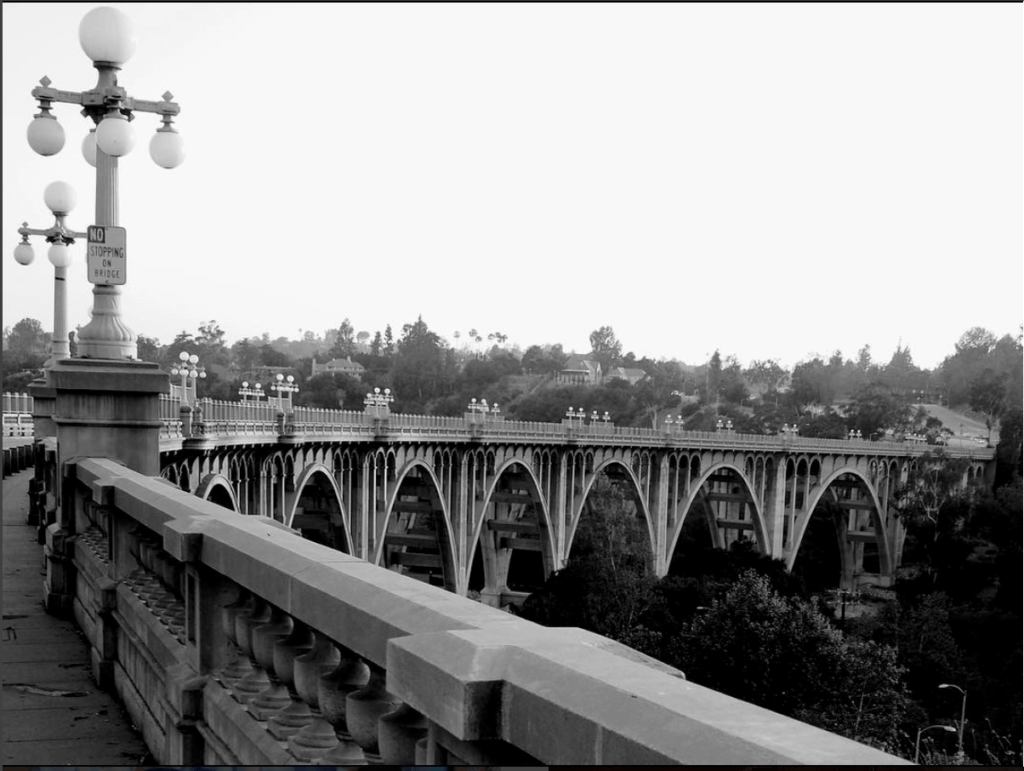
<point x="877" y="515"/>
<point x="636" y="492"/>
<point x="445" y="535"/>
<point x="304" y="478"/>
<point x="536" y="498"/>
<point x="696" y="491"/>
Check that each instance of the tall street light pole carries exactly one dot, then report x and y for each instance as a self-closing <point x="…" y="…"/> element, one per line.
<point x="917" y="744"/>
<point x="963" y="712"/>
<point x="107" y="37"/>
<point x="60" y="199"/>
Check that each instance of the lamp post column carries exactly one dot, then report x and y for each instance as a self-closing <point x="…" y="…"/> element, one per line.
<point x="106" y="336"/>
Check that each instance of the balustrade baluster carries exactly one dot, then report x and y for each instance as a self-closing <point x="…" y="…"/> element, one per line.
<point x="300" y="641"/>
<point x="246" y="621"/>
<point x="309" y="667"/>
<point x="266" y="635"/>
<point x="364" y="709"/>
<point x="333" y="690"/>
<point x="398" y="732"/>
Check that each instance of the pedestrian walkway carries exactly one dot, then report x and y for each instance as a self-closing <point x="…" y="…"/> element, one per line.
<point x="53" y="713"/>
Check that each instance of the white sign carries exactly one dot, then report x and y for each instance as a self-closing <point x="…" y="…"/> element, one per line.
<point x="105" y="259"/>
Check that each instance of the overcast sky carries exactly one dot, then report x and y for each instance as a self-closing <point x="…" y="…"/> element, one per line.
<point x="770" y="181"/>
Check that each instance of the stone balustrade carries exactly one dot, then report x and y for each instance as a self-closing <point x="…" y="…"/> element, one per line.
<point x="233" y="641"/>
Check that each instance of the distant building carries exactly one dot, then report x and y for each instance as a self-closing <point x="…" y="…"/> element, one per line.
<point x="631" y="375"/>
<point x="338" y="367"/>
<point x="580" y="371"/>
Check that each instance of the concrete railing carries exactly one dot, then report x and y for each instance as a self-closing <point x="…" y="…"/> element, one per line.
<point x="218" y="419"/>
<point x="233" y="641"/>
<point x="13" y="402"/>
<point x="18" y="424"/>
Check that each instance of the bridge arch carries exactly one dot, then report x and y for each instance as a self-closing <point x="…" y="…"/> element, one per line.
<point x="863" y="484"/>
<point x="416" y="517"/>
<point x="317" y="486"/>
<point x="623" y="471"/>
<point x="496" y="545"/>
<point x="216" y="488"/>
<point x="752" y="499"/>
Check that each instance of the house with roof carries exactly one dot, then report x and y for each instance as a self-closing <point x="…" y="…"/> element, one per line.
<point x="580" y="371"/>
<point x="631" y="375"/>
<point x="338" y="367"/>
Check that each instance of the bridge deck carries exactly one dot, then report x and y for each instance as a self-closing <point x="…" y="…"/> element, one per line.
<point x="53" y="713"/>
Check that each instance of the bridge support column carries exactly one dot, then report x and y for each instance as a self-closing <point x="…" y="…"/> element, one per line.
<point x="659" y="512"/>
<point x="775" y="512"/>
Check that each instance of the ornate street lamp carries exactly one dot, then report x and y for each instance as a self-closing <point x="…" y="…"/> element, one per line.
<point x="188" y="369"/>
<point x="60" y="198"/>
<point x="284" y="387"/>
<point x="107" y="37"/>
<point x="245" y="392"/>
<point x="963" y="713"/>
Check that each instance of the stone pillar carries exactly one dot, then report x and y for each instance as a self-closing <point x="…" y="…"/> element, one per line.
<point x="775" y="511"/>
<point x="109" y="409"/>
<point x="658" y="508"/>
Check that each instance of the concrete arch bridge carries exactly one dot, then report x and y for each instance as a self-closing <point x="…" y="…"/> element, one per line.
<point x="489" y="507"/>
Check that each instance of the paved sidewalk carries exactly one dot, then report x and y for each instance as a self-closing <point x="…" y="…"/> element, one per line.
<point x="53" y="713"/>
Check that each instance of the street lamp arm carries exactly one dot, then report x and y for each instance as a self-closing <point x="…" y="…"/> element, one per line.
<point x="52" y="233"/>
<point x="165" y="107"/>
<point x="106" y="96"/>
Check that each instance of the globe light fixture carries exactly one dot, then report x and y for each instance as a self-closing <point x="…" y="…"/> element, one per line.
<point x="114" y="135"/>
<point x="60" y="198"/>
<point x="59" y="255"/>
<point x="24" y="253"/>
<point x="167" y="148"/>
<point x="89" y="148"/>
<point x="45" y="134"/>
<point x="107" y="37"/>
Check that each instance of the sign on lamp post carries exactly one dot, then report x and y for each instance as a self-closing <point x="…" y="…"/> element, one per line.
<point x="106" y="255"/>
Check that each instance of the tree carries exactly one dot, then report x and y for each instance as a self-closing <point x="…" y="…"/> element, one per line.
<point x="606" y="585"/>
<point x="26" y="344"/>
<point x="784" y="655"/>
<point x="149" y="348"/>
<point x="713" y="378"/>
<point x="210" y="344"/>
<point x="418" y="365"/>
<point x="605" y="347"/>
<point x="767" y="375"/>
<point x="246" y="356"/>
<point x="344" y="343"/>
<point x="389" y="341"/>
<point x="731" y="386"/>
<point x="988" y="395"/>
<point x="864" y="358"/>
<point x="876" y="408"/>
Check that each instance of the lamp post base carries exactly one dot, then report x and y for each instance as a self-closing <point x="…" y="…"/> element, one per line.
<point x="106" y="336"/>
